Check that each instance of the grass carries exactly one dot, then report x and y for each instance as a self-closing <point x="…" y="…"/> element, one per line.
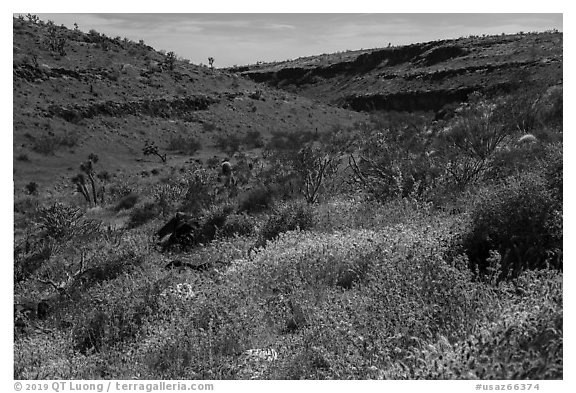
<point x="334" y="303"/>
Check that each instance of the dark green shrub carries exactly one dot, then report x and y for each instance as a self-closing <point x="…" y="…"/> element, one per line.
<point x="200" y="192"/>
<point x="69" y="139"/>
<point x="253" y="139"/>
<point x="49" y="143"/>
<point x="114" y="312"/>
<point x="228" y="143"/>
<point x="28" y="204"/>
<point x="208" y="127"/>
<point x="62" y="222"/>
<point x="288" y="217"/>
<point x="127" y="202"/>
<point x="141" y="215"/>
<point x="238" y="224"/>
<point x="291" y="141"/>
<point x="187" y="145"/>
<point x="108" y="268"/>
<point x="23" y="157"/>
<point x="520" y="220"/>
<point x="46" y="144"/>
<point x="212" y="222"/>
<point x="255" y="200"/>
<point x="553" y="166"/>
<point x="26" y="265"/>
<point x="32" y="188"/>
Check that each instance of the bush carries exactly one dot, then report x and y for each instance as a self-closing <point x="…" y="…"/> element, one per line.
<point x="199" y="193"/>
<point x="553" y="167"/>
<point x="256" y="200"/>
<point x="26" y="205"/>
<point x="114" y="312"/>
<point x="127" y="202"/>
<point x="208" y="126"/>
<point x="141" y="215"/>
<point x="228" y="143"/>
<point x="524" y="341"/>
<point x="23" y="157"/>
<point x="62" y="222"/>
<point x="287" y="217"/>
<point x="212" y="222"/>
<point x="253" y="139"/>
<point x="348" y="298"/>
<point x="25" y="265"/>
<point x="48" y="144"/>
<point x="32" y="188"/>
<point x="187" y="145"/>
<point x="520" y="220"/>
<point x="238" y="224"/>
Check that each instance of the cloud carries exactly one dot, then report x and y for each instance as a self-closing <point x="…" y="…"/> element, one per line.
<point x="253" y="37"/>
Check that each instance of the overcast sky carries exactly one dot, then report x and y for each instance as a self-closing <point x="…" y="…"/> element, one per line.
<point x="247" y="38"/>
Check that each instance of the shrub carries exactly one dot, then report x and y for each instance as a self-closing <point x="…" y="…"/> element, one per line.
<point x="120" y="189"/>
<point x="351" y="297"/>
<point x="553" y="165"/>
<point x="62" y="222"/>
<point x="471" y="139"/>
<point x="394" y="161"/>
<point x="228" y="143"/>
<point x="208" y="126"/>
<point x="287" y="217"/>
<point x="127" y="202"/>
<point x="253" y="139"/>
<point x="32" y="188"/>
<point x="519" y="220"/>
<point x="256" y="200"/>
<point x="212" y="222"/>
<point x="46" y="144"/>
<point x="238" y="224"/>
<point x="141" y="215"/>
<point x="188" y="145"/>
<point x="199" y="191"/>
<point x="524" y="341"/>
<point x="25" y="265"/>
<point x="118" y="314"/>
<point x="291" y="141"/>
<point x="49" y="143"/>
<point x="23" y="157"/>
<point x="25" y="205"/>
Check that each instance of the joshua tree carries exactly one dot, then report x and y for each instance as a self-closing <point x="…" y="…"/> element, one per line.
<point x="88" y="170"/>
<point x="80" y="182"/>
<point x="151" y="148"/>
<point x="33" y="18"/>
<point x="170" y="60"/>
<point x="55" y="41"/>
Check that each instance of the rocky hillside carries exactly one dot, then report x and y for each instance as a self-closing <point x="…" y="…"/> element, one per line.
<point x="423" y="76"/>
<point x="77" y="93"/>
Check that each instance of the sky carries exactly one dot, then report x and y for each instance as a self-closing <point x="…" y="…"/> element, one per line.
<point x="246" y="38"/>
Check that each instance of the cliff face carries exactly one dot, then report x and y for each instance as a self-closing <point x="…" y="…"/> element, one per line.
<point x="422" y="76"/>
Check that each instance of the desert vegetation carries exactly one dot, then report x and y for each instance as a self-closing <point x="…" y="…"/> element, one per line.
<point x="397" y="247"/>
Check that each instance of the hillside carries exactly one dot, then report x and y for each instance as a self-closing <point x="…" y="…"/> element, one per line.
<point x="423" y="76"/>
<point x="335" y="244"/>
<point x="78" y="93"/>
